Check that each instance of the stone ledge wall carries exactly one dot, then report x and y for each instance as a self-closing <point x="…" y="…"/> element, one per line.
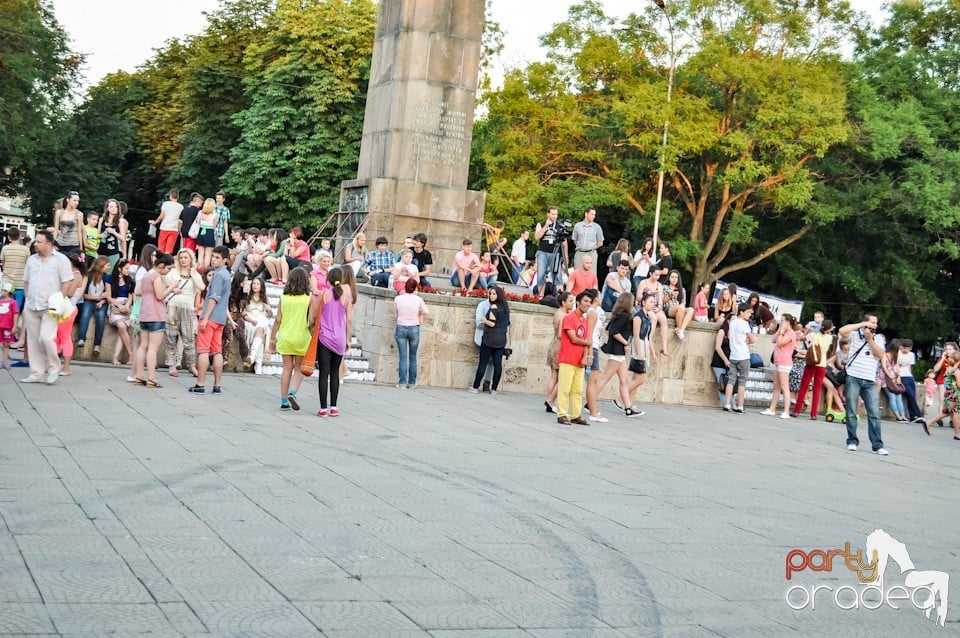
<point x="448" y="357"/>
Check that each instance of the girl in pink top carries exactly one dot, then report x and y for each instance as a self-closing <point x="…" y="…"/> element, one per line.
<point x="410" y="312"/>
<point x="332" y="342"/>
<point x="700" y="307"/>
<point x="153" y="319"/>
<point x="786" y="341"/>
<point x="405" y="271"/>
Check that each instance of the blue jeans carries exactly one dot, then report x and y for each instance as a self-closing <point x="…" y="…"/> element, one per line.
<point x="486" y="282"/>
<point x="546" y="266"/>
<point x="868" y="391"/>
<point x="88" y="309"/>
<point x="895" y="401"/>
<point x="455" y="279"/>
<point x="408" y="340"/>
<point x="381" y="279"/>
<point x="910" y="385"/>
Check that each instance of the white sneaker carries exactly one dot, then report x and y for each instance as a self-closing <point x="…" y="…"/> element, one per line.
<point x="882" y="452"/>
<point x="52" y="376"/>
<point x="598" y="419"/>
<point x="852" y="447"/>
<point x="493" y="393"/>
<point x="32" y="379"/>
<point x="472" y="390"/>
<point x="769" y="412"/>
<point x="785" y="415"/>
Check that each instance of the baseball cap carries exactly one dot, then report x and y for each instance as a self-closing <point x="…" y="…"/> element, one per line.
<point x="7" y="287"/>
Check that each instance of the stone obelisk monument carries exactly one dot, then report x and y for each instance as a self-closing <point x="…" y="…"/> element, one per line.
<point x="417" y="129"/>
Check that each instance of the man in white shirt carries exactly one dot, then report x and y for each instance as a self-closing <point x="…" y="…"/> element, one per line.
<point x="46" y="272"/>
<point x="518" y="255"/>
<point x="867" y="349"/>
<point x="740" y="340"/>
<point x="169" y="220"/>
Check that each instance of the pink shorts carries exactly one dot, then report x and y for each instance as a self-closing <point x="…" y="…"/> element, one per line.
<point x="7" y="336"/>
<point x="210" y="341"/>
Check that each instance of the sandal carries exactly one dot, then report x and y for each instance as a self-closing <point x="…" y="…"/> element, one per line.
<point x="116" y="362"/>
<point x="664" y="352"/>
<point x="174" y="372"/>
<point x="193" y="371"/>
<point x="153" y="384"/>
<point x="139" y="381"/>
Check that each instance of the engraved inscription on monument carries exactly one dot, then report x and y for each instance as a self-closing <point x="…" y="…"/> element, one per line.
<point x="440" y="135"/>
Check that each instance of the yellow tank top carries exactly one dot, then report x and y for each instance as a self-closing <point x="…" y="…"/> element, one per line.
<point x="294" y="335"/>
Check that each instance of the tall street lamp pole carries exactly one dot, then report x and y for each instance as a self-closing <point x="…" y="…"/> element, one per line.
<point x="666" y="125"/>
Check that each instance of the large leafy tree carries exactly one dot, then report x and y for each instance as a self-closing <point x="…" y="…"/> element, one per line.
<point x="895" y="186"/>
<point x="300" y="137"/>
<point x="214" y="95"/>
<point x="758" y="93"/>
<point x="37" y="71"/>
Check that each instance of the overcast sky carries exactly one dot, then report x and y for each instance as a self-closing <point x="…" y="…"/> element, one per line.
<point x="121" y="34"/>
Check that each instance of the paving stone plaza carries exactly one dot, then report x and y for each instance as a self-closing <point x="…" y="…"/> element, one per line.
<point x="129" y="511"/>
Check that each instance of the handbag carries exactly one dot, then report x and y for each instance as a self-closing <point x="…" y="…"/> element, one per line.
<point x="813" y="355"/>
<point x="893" y="383"/>
<point x="194" y="231"/>
<point x="309" y="360"/>
<point x="637" y="366"/>
<point x="152" y="231"/>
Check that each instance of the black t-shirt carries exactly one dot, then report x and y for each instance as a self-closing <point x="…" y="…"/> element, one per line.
<point x="422" y="259"/>
<point x="548" y="242"/>
<point x="666" y="261"/>
<point x="622" y="325"/>
<point x="717" y="360"/>
<point x="187" y="216"/>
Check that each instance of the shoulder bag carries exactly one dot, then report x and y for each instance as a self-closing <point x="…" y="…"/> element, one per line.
<point x="194" y="231"/>
<point x="637" y="366"/>
<point x="892" y="381"/>
<point x="309" y="360"/>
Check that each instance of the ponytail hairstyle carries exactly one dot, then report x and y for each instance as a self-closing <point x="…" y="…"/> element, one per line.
<point x="335" y="279"/>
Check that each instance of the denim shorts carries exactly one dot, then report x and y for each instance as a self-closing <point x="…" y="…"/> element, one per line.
<point x="152" y="326"/>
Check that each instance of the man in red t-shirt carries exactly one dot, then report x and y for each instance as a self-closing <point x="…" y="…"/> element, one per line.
<point x="575" y="352"/>
<point x="583" y="277"/>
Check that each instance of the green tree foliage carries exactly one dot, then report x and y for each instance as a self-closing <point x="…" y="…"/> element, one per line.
<point x="162" y="116"/>
<point x="214" y="95"/>
<point x="758" y="94"/>
<point x="99" y="153"/>
<point x="894" y="187"/>
<point x="300" y="137"/>
<point x="37" y="71"/>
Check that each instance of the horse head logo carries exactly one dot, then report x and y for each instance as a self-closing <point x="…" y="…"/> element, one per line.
<point x="937" y="584"/>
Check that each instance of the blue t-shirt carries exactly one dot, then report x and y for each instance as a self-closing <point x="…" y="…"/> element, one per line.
<point x="219" y="291"/>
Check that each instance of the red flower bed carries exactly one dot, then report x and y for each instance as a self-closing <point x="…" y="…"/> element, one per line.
<point x="481" y="294"/>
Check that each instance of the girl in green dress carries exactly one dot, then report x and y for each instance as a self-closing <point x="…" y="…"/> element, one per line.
<point x="292" y="332"/>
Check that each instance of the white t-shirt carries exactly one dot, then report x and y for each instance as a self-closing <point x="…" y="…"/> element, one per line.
<point x="598" y="329"/>
<point x="171" y="215"/>
<point x="739" y="349"/>
<point x="519" y="252"/>
<point x="905" y="362"/>
<point x="643" y="268"/>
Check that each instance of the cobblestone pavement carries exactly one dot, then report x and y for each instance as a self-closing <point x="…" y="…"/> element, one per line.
<point x="439" y="513"/>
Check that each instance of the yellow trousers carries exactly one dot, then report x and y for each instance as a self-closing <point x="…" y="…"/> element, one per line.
<point x="570" y="391"/>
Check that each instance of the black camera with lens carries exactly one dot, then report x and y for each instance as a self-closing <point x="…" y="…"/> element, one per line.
<point x="507" y="352"/>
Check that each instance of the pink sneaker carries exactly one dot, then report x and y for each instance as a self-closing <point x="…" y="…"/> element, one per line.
<point x="322" y="413"/>
<point x="334" y="411"/>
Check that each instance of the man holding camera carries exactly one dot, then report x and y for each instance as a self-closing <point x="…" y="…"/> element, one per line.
<point x="587" y="236"/>
<point x="867" y="348"/>
<point x="551" y="237"/>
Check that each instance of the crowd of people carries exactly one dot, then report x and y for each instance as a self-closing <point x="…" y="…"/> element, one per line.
<point x="212" y="290"/>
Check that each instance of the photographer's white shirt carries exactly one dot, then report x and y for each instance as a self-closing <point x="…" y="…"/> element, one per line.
<point x="864" y="365"/>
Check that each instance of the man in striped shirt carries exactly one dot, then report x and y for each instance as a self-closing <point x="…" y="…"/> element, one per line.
<point x="867" y="349"/>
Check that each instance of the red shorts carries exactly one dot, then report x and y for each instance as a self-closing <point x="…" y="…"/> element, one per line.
<point x="210" y="341"/>
<point x="188" y="242"/>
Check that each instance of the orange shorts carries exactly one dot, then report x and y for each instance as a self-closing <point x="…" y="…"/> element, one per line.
<point x="210" y="341"/>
